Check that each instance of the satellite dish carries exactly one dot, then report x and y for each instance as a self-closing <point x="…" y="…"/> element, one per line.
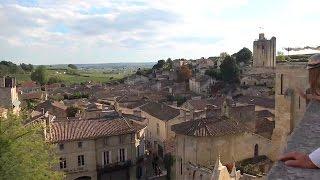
<point x="16" y="103"/>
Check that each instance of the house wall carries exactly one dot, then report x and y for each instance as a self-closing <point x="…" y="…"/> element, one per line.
<point x="204" y="150"/>
<point x="92" y="151"/>
<point x="289" y="106"/>
<point x="71" y="152"/>
<point x="264" y="52"/>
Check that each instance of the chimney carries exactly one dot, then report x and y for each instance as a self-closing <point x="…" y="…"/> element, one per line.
<point x="120" y="112"/>
<point x="42" y="109"/>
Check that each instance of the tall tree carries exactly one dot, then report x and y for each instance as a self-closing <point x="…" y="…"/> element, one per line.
<point x="159" y="65"/>
<point x="72" y="66"/>
<point x="26" y="67"/>
<point x="229" y="70"/>
<point x="184" y="73"/>
<point x="40" y="75"/>
<point x="281" y="56"/>
<point x="169" y="64"/>
<point x="244" y="55"/>
<point x="23" y="152"/>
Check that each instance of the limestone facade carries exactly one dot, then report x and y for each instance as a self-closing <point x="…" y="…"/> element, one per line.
<point x="98" y="153"/>
<point x="8" y="94"/>
<point x="289" y="105"/>
<point x="204" y="150"/>
<point x="264" y="52"/>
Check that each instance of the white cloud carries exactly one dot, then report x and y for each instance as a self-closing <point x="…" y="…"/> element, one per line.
<point x="143" y="30"/>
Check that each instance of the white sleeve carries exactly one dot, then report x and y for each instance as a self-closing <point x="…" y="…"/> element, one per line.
<point x="315" y="157"/>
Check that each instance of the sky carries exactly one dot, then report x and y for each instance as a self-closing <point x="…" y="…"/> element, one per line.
<point x="105" y="31"/>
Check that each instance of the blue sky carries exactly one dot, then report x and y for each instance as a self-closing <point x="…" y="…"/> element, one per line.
<point x="101" y="31"/>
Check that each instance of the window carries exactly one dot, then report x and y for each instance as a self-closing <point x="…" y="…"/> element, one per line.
<point x="158" y="129"/>
<point x="79" y="144"/>
<point x="106" y="157"/>
<point x="299" y="102"/>
<point x="63" y="163"/>
<point x="181" y="166"/>
<point x="81" y="160"/>
<point x="122" y="156"/>
<point x="256" y="150"/>
<point x="281" y="84"/>
<point x="61" y="147"/>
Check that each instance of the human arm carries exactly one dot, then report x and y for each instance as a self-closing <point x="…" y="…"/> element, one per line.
<point x="297" y="159"/>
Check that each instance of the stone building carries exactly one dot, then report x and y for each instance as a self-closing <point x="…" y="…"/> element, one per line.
<point x="55" y="108"/>
<point x="135" y="79"/>
<point x="264" y="52"/>
<point x="200" y="84"/>
<point x="289" y="105"/>
<point x="199" y="142"/>
<point x="160" y="119"/>
<point x="96" y="149"/>
<point x="8" y="94"/>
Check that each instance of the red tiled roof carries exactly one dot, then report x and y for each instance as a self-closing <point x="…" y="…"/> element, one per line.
<point x="29" y="84"/>
<point x="69" y="130"/>
<point x="258" y="101"/>
<point x="160" y="111"/>
<point x="215" y="126"/>
<point x="36" y="95"/>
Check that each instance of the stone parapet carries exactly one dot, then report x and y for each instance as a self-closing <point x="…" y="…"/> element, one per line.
<point x="305" y="138"/>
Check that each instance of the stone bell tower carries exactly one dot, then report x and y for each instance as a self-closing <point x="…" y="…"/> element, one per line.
<point x="8" y="94"/>
<point x="264" y="52"/>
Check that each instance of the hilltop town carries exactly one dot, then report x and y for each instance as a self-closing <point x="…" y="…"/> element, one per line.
<point x="222" y="118"/>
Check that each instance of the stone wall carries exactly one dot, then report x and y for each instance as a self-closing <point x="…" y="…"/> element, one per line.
<point x="264" y="52"/>
<point x="305" y="138"/>
<point x="289" y="105"/>
<point x="93" y="153"/>
<point x="5" y="97"/>
<point x="203" y="151"/>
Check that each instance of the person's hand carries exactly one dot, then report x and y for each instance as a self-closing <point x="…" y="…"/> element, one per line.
<point x="296" y="159"/>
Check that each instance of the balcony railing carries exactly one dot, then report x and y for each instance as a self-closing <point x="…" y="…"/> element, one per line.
<point x="305" y="138"/>
<point x="114" y="166"/>
<point x="76" y="169"/>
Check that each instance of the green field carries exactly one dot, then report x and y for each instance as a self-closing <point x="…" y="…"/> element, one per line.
<point x="81" y="76"/>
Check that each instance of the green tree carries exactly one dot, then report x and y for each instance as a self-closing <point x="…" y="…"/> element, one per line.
<point x="214" y="73"/>
<point x="23" y="152"/>
<point x="244" y="55"/>
<point x="40" y="75"/>
<point x="72" y="66"/>
<point x="169" y="64"/>
<point x="72" y="111"/>
<point x="281" y="56"/>
<point x="159" y="65"/>
<point x="26" y="67"/>
<point x="7" y="67"/>
<point x="229" y="70"/>
<point x="54" y="79"/>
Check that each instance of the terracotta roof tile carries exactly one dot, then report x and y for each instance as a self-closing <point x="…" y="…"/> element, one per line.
<point x="215" y="126"/>
<point x="69" y="130"/>
<point x="259" y="101"/>
<point x="160" y="111"/>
